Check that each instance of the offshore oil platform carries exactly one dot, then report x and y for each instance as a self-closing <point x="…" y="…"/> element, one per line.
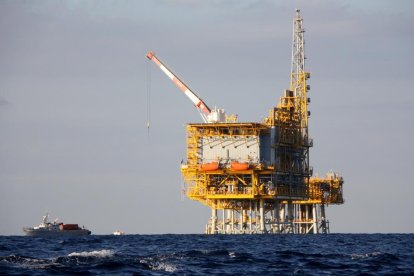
<point x="256" y="177"/>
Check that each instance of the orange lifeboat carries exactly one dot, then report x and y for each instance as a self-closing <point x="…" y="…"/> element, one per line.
<point x="237" y="166"/>
<point x="213" y="166"/>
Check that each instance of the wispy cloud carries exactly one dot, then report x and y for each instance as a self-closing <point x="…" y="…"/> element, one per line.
<point x="3" y="102"/>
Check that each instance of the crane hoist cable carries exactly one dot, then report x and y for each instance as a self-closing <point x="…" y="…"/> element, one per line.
<point x="148" y="88"/>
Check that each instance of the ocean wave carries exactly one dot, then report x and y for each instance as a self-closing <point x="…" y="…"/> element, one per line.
<point x="164" y="267"/>
<point x="204" y="252"/>
<point x="206" y="255"/>
<point x="364" y="256"/>
<point x="159" y="263"/>
<point x="104" y="253"/>
<point x="25" y="262"/>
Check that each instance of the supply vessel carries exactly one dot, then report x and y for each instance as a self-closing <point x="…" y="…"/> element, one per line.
<point x="55" y="228"/>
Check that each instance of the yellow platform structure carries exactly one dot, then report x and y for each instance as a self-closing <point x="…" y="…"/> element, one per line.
<point x="256" y="177"/>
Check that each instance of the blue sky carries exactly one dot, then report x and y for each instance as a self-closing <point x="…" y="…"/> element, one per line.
<point x="73" y="104"/>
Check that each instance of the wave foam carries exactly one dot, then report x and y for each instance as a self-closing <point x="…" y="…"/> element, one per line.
<point x="165" y="267"/>
<point x="26" y="262"/>
<point x="363" y="256"/>
<point x="158" y="263"/>
<point x="104" y="253"/>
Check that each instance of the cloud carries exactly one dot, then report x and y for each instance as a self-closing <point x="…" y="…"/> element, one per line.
<point x="3" y="102"/>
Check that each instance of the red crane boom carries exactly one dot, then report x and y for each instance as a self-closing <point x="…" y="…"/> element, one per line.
<point x="202" y="107"/>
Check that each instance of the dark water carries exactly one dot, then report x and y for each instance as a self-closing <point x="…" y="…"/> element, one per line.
<point x="338" y="254"/>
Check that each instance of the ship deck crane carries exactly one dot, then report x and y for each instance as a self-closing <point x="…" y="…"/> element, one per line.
<point x="208" y="115"/>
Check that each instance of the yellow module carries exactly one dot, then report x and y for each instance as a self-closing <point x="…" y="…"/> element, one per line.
<point x="256" y="177"/>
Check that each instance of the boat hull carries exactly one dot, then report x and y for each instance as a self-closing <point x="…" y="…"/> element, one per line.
<point x="52" y="232"/>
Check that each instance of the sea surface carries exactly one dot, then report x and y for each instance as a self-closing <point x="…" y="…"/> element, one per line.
<point x="337" y="254"/>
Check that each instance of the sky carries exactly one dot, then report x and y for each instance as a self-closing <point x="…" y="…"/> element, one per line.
<point x="75" y="88"/>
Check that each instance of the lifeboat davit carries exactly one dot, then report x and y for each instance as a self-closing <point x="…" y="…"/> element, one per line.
<point x="237" y="166"/>
<point x="212" y="166"/>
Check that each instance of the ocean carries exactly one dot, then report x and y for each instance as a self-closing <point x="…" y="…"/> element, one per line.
<point x="333" y="254"/>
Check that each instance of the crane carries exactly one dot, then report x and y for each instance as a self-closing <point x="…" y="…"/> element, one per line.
<point x="208" y="115"/>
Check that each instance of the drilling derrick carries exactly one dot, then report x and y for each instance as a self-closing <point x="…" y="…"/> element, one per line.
<point x="256" y="177"/>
